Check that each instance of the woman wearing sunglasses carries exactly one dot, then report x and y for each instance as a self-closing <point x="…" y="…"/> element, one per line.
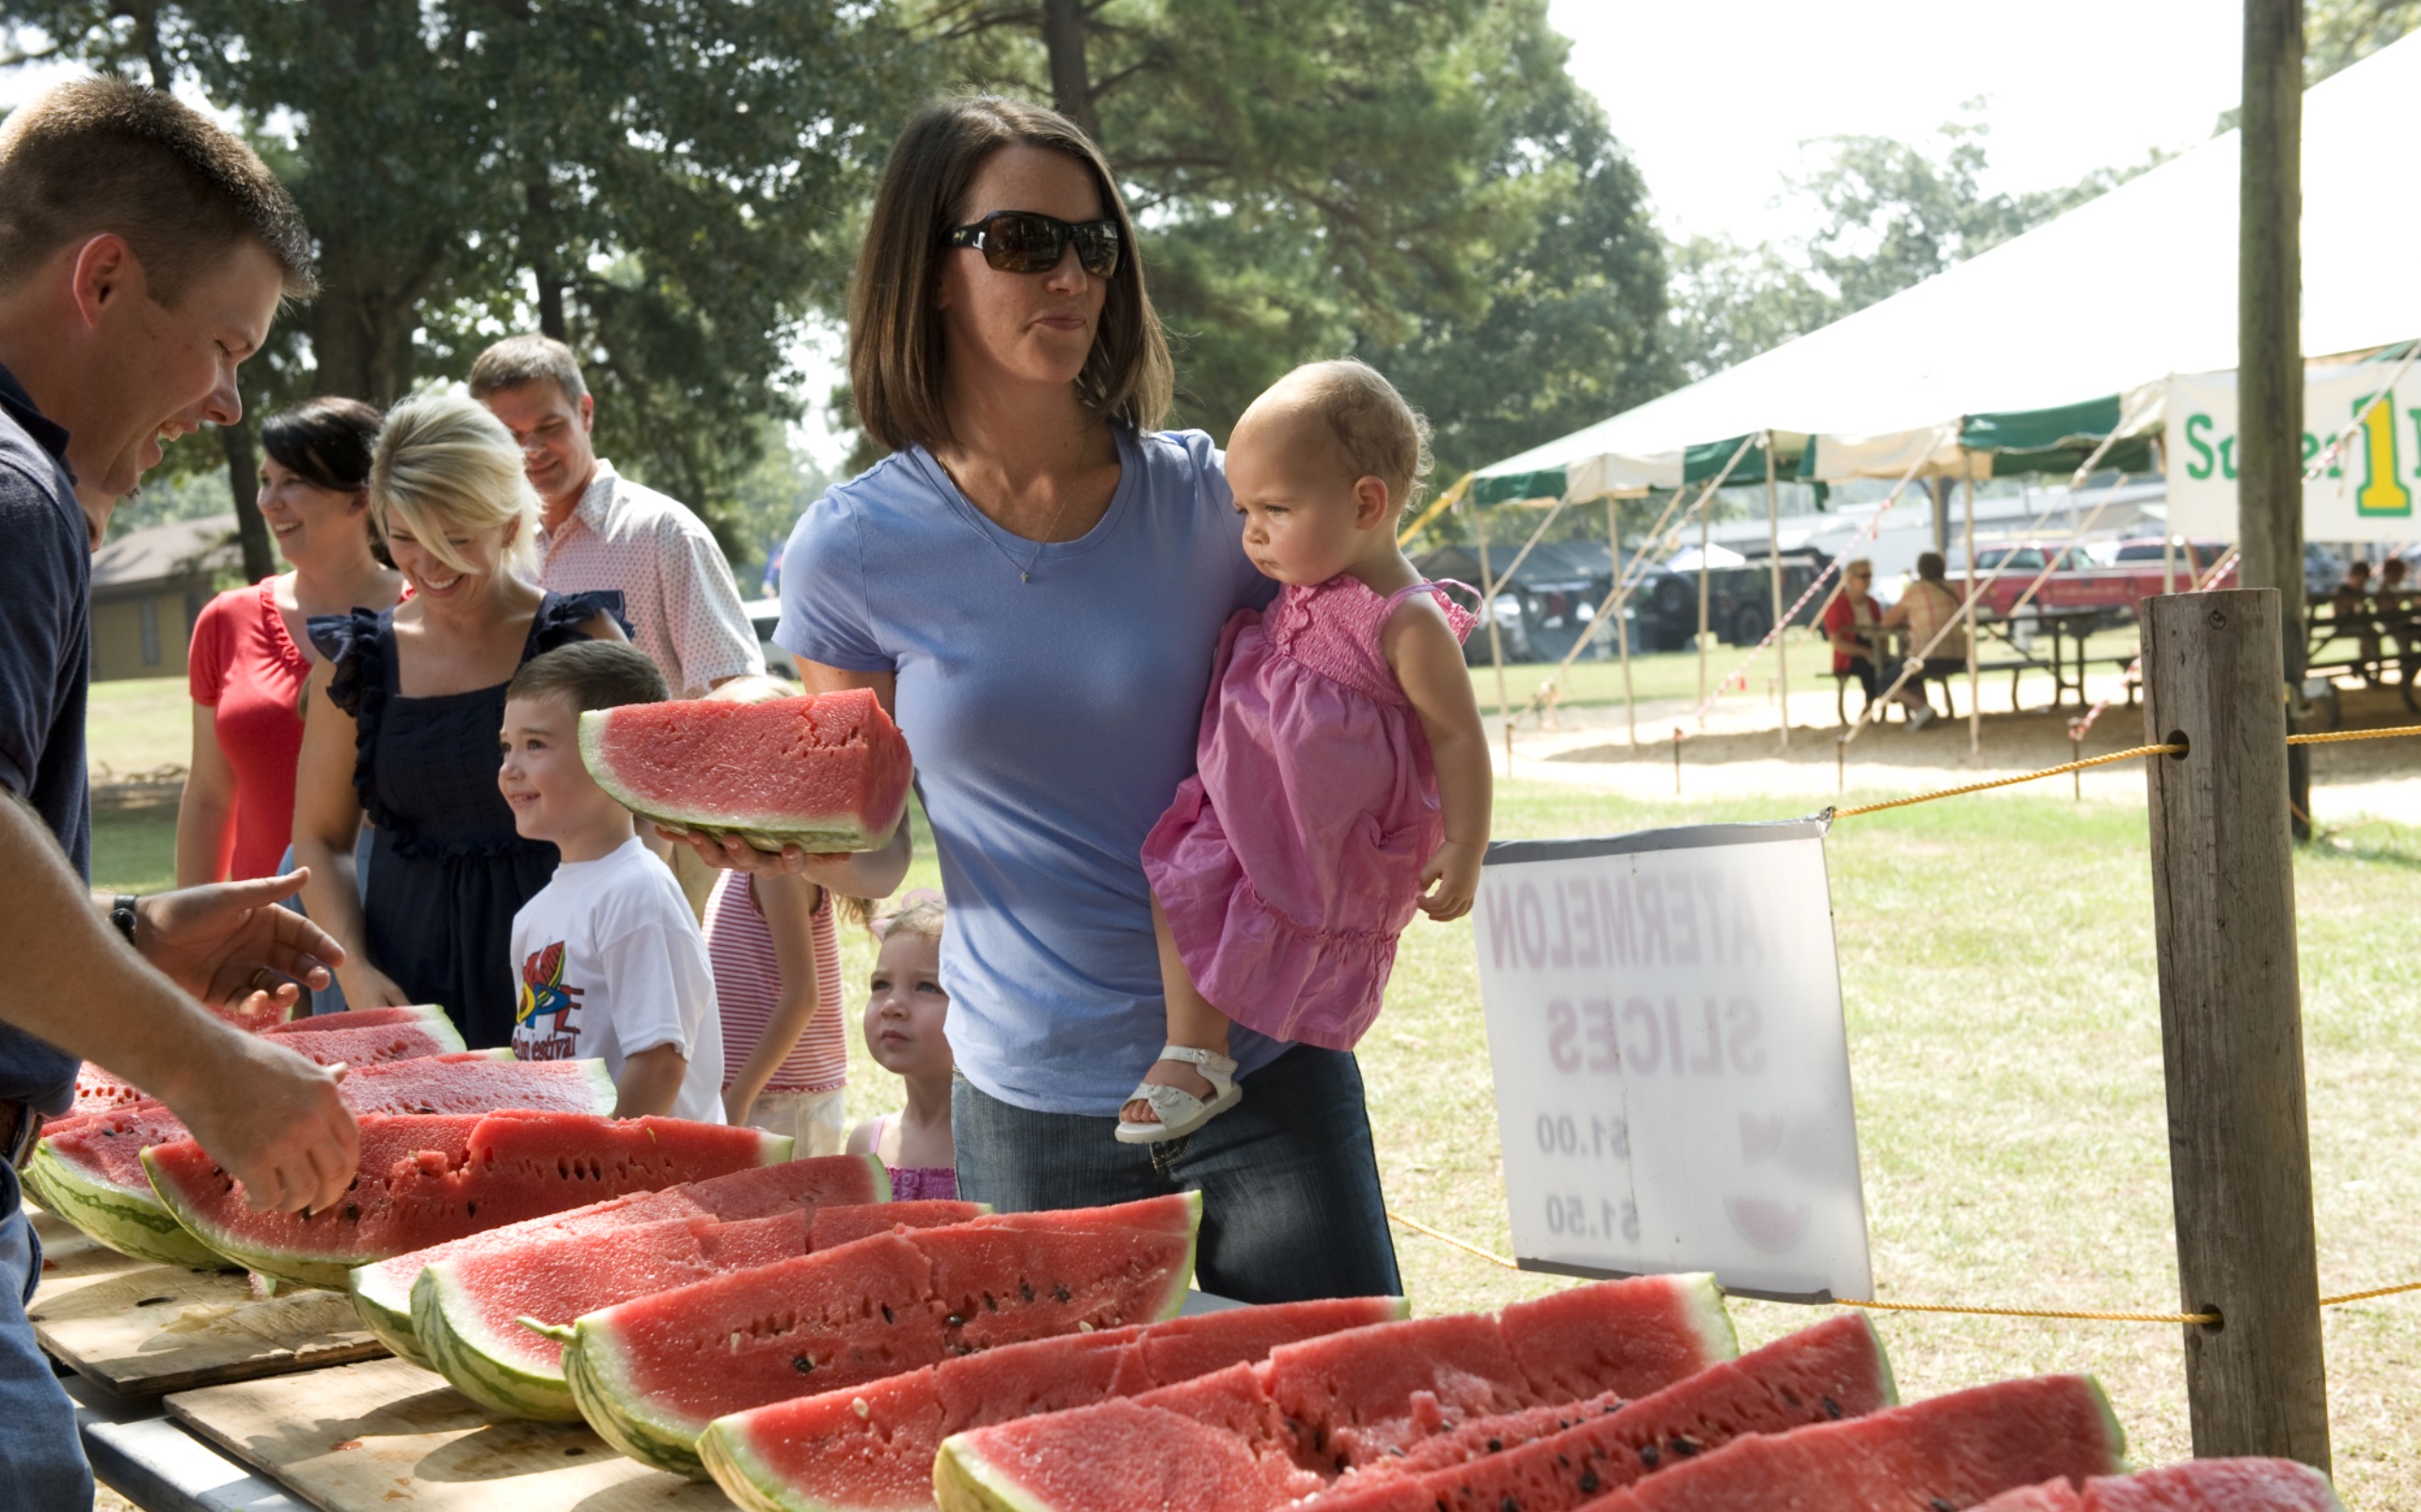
<point x="1034" y="581"/>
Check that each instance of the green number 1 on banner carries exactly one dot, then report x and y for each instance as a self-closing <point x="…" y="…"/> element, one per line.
<point x="2383" y="492"/>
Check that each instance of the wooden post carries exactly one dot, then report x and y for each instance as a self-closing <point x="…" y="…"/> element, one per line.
<point x="2270" y="363"/>
<point x="2231" y="1025"/>
<point x="1621" y="623"/>
<point x="1974" y="700"/>
<point x="1774" y="556"/>
<point x="1705" y="587"/>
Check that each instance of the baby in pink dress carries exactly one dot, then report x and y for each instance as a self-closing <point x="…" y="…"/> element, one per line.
<point x="1343" y="781"/>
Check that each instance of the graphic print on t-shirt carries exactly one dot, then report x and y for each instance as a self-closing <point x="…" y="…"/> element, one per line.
<point x="542" y="1020"/>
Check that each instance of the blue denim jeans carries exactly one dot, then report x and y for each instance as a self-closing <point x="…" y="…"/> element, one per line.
<point x="42" y="1467"/>
<point x="1291" y="1202"/>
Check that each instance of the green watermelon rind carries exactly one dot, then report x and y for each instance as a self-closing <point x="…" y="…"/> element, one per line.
<point x="598" y="1374"/>
<point x="815" y="840"/>
<point x="1707" y="1316"/>
<point x="133" y="1223"/>
<point x="965" y="1481"/>
<point x="465" y="1351"/>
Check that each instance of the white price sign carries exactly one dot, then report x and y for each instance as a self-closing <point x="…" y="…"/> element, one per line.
<point x="1673" y="1077"/>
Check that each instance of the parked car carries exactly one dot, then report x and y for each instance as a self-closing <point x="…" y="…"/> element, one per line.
<point x="1740" y="602"/>
<point x="2077" y="583"/>
<point x="764" y="615"/>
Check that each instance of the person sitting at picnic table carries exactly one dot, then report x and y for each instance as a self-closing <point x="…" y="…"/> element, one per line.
<point x="1929" y="609"/>
<point x="1854" y="625"/>
<point x="2350" y="606"/>
<point x="2394" y="610"/>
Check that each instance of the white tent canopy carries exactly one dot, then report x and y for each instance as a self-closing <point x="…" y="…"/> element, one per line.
<point x="2110" y="298"/>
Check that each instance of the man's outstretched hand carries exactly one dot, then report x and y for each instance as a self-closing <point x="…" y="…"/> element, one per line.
<point x="275" y="1122"/>
<point x="218" y="940"/>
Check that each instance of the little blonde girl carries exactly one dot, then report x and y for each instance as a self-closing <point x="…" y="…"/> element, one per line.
<point x="905" y="1011"/>
<point x="1344" y="779"/>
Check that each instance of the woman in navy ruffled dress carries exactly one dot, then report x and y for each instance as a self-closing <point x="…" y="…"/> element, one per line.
<point x="402" y="724"/>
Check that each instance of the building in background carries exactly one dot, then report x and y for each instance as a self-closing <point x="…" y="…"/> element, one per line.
<point x="149" y="586"/>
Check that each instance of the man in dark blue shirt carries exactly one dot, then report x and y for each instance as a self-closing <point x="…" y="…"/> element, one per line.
<point x="143" y="254"/>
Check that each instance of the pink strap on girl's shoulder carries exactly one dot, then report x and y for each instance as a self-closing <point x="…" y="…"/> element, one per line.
<point x="1433" y="586"/>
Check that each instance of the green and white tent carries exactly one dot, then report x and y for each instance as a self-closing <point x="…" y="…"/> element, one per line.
<point x="2025" y="357"/>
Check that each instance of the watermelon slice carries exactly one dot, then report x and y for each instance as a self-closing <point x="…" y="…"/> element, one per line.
<point x="477" y="1082"/>
<point x="89" y="1172"/>
<point x="377" y="1043"/>
<point x="649" y="1375"/>
<point x="1359" y="1397"/>
<point x="827" y="772"/>
<point x="428" y="1178"/>
<point x="98" y="1091"/>
<point x="426" y="1012"/>
<point x="871" y="1448"/>
<point x="1952" y="1450"/>
<point x="1832" y="1371"/>
<point x="2243" y="1484"/>
<point x="382" y="1291"/>
<point x="469" y="1311"/>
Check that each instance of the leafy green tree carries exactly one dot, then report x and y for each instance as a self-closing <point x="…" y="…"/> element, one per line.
<point x="670" y="186"/>
<point x="2337" y="33"/>
<point x="1417" y="181"/>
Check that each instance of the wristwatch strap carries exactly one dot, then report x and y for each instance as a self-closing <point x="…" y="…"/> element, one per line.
<point x="121" y="913"/>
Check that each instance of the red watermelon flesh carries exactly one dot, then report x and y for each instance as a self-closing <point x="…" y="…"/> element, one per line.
<point x="2235" y="1485"/>
<point x="871" y="1448"/>
<point x="825" y="772"/>
<point x="1135" y="1456"/>
<point x="426" y="1012"/>
<point x="1370" y="1393"/>
<point x="1832" y="1371"/>
<point x="382" y="1291"/>
<point x="1953" y="1450"/>
<point x="479" y="1082"/>
<point x="97" y="1091"/>
<point x="377" y="1043"/>
<point x="836" y="1227"/>
<point x="424" y="1179"/>
<point x="650" y="1374"/>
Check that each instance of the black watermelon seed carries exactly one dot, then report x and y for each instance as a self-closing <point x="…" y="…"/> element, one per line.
<point x="990" y="1306"/>
<point x="1940" y="1505"/>
<point x="1061" y="1294"/>
<point x="955" y="1321"/>
<point x="1495" y="1446"/>
<point x="1832" y="1406"/>
<point x="1025" y="1290"/>
<point x="1588" y="1482"/>
<point x="1787" y="1396"/>
<point x="1648" y="1455"/>
<point x="801" y="1363"/>
<point x="1684" y="1447"/>
<point x="886" y="1312"/>
<point x="353" y="1212"/>
<point x="1508" y="1504"/>
<point x="470" y="1210"/>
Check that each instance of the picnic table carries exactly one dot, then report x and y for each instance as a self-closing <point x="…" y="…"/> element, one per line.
<point x="2067" y="632"/>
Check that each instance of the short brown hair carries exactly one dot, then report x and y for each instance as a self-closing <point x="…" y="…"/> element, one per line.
<point x="526" y="359"/>
<point x="895" y="342"/>
<point x="1379" y="433"/>
<point x="591" y="675"/>
<point x="108" y="155"/>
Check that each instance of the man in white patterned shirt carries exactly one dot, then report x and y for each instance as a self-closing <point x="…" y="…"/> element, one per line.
<point x="601" y="531"/>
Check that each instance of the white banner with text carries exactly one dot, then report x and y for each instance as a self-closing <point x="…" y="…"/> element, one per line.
<point x="1672" y="1075"/>
<point x="2365" y="495"/>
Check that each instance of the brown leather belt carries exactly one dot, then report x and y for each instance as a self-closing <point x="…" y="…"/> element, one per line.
<point x="20" y="1127"/>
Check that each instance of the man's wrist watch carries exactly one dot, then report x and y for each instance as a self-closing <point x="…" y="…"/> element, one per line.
<point x="121" y="914"/>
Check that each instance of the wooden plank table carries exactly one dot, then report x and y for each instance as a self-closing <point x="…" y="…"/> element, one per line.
<point x="385" y="1433"/>
<point x="142" y="1329"/>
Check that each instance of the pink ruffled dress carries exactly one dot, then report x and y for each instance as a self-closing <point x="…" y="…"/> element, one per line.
<point x="1291" y="860"/>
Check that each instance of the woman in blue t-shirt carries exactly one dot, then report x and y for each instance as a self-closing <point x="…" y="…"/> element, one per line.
<point x="1034" y="581"/>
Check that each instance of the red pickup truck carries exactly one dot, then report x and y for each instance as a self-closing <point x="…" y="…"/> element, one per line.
<point x="2079" y="584"/>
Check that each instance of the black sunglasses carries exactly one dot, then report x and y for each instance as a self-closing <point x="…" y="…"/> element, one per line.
<point x="1026" y="241"/>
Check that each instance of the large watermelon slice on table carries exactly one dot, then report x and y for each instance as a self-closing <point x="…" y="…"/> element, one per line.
<point x="828" y="772"/>
<point x="650" y="1374"/>
<point x="1832" y="1371"/>
<point x="421" y="1013"/>
<point x="382" y="1290"/>
<point x="1953" y="1450"/>
<point x="472" y="1312"/>
<point x="424" y="1179"/>
<point x="1360" y="1397"/>
<point x="870" y="1448"/>
<point x="2235" y="1485"/>
<point x="90" y="1170"/>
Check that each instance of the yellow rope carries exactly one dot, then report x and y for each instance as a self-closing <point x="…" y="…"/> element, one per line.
<point x="2030" y="1312"/>
<point x="2007" y="781"/>
<point x="2336" y="736"/>
<point x="2366" y="1296"/>
<point x="1448" y="1238"/>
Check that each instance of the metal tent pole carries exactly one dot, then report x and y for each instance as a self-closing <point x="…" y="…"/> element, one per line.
<point x="1622" y="625"/>
<point x="1496" y="635"/>
<point x="1974" y="706"/>
<point x="1706" y="586"/>
<point x="1774" y="556"/>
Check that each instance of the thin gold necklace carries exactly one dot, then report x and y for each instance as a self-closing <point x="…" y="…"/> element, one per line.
<point x="1025" y="573"/>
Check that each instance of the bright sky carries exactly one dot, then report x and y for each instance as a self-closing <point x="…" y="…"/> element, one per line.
<point x="1714" y="100"/>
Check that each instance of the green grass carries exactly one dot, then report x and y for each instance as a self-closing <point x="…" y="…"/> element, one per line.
<point x="1997" y="964"/>
<point x="138" y="725"/>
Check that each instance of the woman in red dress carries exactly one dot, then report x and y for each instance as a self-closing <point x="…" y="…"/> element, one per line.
<point x="250" y="656"/>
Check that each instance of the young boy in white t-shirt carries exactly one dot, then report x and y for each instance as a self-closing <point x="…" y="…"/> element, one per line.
<point x="613" y="961"/>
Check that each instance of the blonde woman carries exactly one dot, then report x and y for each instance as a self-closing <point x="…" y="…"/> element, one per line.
<point x="405" y="721"/>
